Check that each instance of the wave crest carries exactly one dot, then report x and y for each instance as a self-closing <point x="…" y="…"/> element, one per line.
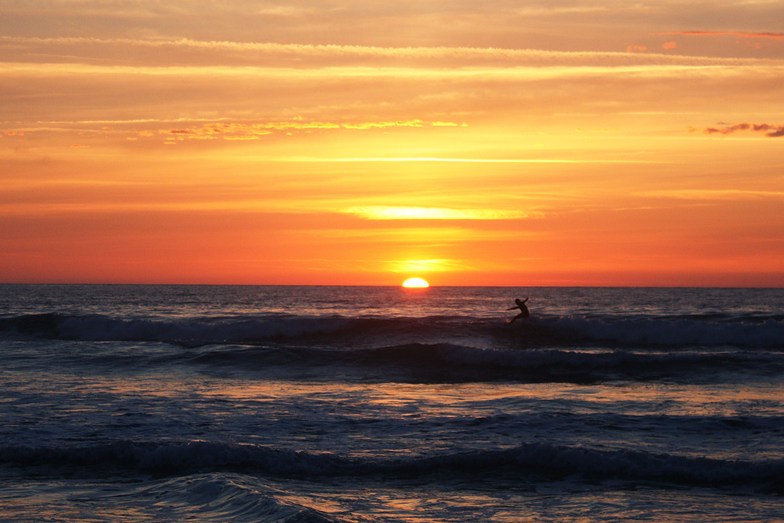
<point x="227" y="497"/>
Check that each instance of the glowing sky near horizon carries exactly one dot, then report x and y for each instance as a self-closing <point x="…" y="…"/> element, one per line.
<point x="347" y="142"/>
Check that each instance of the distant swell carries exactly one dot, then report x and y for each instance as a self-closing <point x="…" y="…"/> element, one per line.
<point x="536" y="460"/>
<point x="625" y="331"/>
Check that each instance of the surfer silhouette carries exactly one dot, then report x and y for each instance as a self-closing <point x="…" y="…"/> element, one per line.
<point x="523" y="310"/>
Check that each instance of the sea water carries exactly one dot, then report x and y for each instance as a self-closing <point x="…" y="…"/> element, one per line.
<point x="300" y="404"/>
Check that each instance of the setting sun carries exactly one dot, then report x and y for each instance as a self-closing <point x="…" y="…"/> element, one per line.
<point x="415" y="283"/>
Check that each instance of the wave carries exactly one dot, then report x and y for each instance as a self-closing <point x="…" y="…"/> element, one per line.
<point x="534" y="461"/>
<point x="752" y="331"/>
<point x="707" y="330"/>
<point x="227" y="497"/>
<point x="448" y="363"/>
<point x="186" y="331"/>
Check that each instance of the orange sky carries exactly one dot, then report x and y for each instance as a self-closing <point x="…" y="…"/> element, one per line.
<point x="344" y="142"/>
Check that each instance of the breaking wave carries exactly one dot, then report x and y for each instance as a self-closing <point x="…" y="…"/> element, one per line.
<point x="227" y="497"/>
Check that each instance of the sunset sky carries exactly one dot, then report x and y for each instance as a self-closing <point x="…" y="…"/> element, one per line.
<point x="354" y="142"/>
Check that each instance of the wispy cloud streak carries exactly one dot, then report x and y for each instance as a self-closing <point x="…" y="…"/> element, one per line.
<point x="433" y="213"/>
<point x="186" y="51"/>
<point x="735" y="34"/>
<point x="773" y="131"/>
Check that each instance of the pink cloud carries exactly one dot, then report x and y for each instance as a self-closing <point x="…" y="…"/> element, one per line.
<point x="636" y="48"/>
<point x="736" y="34"/>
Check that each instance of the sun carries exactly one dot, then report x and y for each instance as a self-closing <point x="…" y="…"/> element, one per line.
<point x="416" y="283"/>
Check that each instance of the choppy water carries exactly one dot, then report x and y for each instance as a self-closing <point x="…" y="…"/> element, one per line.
<point x="209" y="403"/>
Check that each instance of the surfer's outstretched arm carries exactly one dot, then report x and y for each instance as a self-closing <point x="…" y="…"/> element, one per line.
<point x="523" y="310"/>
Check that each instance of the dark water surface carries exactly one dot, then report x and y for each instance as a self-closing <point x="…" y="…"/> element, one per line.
<point x="211" y="403"/>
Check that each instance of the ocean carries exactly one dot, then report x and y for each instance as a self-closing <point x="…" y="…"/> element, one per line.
<point x="382" y="404"/>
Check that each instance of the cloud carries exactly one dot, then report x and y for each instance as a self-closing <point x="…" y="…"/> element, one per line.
<point x="636" y="48"/>
<point x="246" y="131"/>
<point x="432" y="213"/>
<point x="736" y="34"/>
<point x="714" y="194"/>
<point x="174" y="53"/>
<point x="773" y="131"/>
